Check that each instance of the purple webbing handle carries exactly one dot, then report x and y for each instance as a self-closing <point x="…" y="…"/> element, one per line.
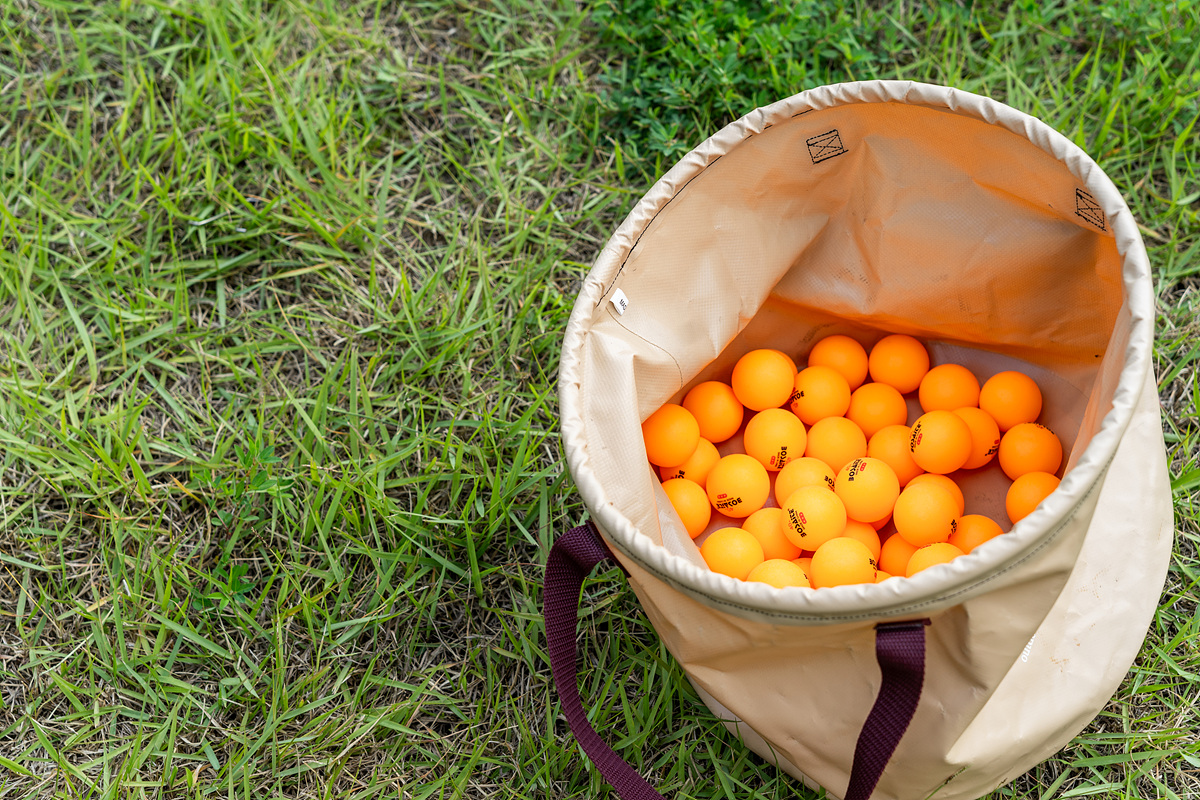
<point x="572" y="558"/>
<point x="899" y="648"/>
<point x="900" y="651"/>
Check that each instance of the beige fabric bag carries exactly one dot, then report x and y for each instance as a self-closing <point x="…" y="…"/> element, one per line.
<point x="866" y="209"/>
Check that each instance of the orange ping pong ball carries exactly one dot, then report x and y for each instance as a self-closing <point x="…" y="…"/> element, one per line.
<point x="671" y="435"/>
<point x="899" y="361"/>
<point x="840" y="562"/>
<point x="924" y="514"/>
<point x="985" y="436"/>
<point x="804" y="563"/>
<point x="766" y="525"/>
<point x="691" y="503"/>
<point x="890" y="445"/>
<point x="802" y="472"/>
<point x="947" y="387"/>
<point x="1029" y="447"/>
<point x="1027" y="492"/>
<point x="837" y="441"/>
<point x="775" y="436"/>
<point x="716" y="409"/>
<point x="864" y="533"/>
<point x="812" y="516"/>
<point x="974" y="530"/>
<point x="732" y="552"/>
<point x="738" y="485"/>
<point x="881" y="576"/>
<point x="819" y="392"/>
<point x="779" y="573"/>
<point x="698" y="465"/>
<point x="894" y="554"/>
<point x="875" y="406"/>
<point x="940" y="442"/>
<point x="1011" y="398"/>
<point x="868" y="488"/>
<point x="946" y="483"/>
<point x="931" y="555"/>
<point x="844" y="354"/>
<point x="763" y="379"/>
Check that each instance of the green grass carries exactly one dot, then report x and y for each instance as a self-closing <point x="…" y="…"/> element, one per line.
<point x="282" y="288"/>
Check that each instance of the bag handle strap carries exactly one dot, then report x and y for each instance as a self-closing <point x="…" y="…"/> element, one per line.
<point x="572" y="558"/>
<point x="899" y="649"/>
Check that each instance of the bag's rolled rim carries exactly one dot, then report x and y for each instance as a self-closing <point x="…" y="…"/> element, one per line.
<point x="937" y="585"/>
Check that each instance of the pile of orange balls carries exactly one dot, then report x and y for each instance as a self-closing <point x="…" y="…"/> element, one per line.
<point x="845" y="462"/>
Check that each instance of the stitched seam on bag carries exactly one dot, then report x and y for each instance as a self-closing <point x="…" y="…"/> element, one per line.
<point x="678" y="368"/>
<point x="672" y="198"/>
<point x="650" y="222"/>
<point x="717" y="601"/>
<point x="676" y="194"/>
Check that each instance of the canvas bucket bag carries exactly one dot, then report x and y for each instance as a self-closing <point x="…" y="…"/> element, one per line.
<point x="867" y="209"/>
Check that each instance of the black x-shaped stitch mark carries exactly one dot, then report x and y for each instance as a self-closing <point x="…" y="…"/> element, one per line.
<point x="827" y="145"/>
<point x="1087" y="207"/>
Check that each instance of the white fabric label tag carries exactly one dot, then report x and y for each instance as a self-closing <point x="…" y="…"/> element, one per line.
<point x="620" y="301"/>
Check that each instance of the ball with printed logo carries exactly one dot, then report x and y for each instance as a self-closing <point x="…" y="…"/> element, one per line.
<point x="738" y="485"/>
<point x="868" y="488"/>
<point x="775" y="436"/>
<point x="819" y="392"/>
<point x="812" y="516"/>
